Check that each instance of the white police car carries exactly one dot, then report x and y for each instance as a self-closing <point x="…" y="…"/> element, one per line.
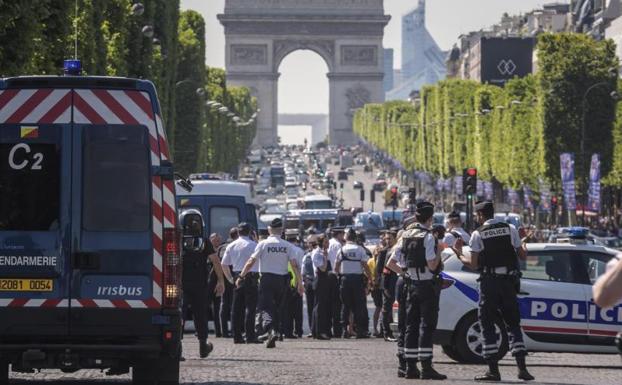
<point x="558" y="313"/>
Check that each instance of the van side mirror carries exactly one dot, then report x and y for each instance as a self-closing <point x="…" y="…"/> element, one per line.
<point x="164" y="170"/>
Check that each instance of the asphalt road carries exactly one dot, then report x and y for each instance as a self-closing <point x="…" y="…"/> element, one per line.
<point x="338" y="362"/>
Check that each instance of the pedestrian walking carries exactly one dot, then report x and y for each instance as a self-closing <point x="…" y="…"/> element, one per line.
<point x="273" y="256"/>
<point x="196" y="294"/>
<point x="418" y="252"/>
<point x="496" y="248"/>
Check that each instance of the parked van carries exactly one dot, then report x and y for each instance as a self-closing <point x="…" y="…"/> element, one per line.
<point x="89" y="242"/>
<point x="224" y="204"/>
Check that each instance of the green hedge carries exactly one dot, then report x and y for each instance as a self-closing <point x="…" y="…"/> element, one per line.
<point x="513" y="135"/>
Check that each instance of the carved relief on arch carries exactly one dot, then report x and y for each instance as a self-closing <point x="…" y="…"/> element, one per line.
<point x="358" y="96"/>
<point x="325" y="48"/>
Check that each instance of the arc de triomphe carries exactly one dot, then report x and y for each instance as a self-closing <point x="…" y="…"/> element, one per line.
<point x="347" y="34"/>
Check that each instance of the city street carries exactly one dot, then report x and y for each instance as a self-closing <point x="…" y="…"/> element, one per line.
<point x="338" y="362"/>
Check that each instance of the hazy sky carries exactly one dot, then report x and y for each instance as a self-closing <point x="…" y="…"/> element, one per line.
<point x="303" y="86"/>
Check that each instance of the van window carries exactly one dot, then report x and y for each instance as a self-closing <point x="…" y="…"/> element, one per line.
<point x="222" y="219"/>
<point x="29" y="186"/>
<point x="116" y="179"/>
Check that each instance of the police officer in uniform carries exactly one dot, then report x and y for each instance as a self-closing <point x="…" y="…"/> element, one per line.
<point x="273" y="256"/>
<point x="455" y="230"/>
<point x="195" y="274"/>
<point x="334" y="245"/>
<point x="351" y="263"/>
<point x="308" y="276"/>
<point x="387" y="280"/>
<point x="244" y="302"/>
<point x="418" y="252"/>
<point x="321" y="285"/>
<point x="495" y="250"/>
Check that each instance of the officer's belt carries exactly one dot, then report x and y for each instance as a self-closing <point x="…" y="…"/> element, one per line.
<point x="502" y="270"/>
<point x="236" y="274"/>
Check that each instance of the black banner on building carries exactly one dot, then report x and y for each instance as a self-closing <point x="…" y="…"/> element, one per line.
<point x="505" y="58"/>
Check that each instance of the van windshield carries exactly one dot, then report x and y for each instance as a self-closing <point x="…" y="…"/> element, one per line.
<point x="29" y="186"/>
<point x="116" y="179"/>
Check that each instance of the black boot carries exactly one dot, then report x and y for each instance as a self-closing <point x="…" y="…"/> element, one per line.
<point x="428" y="372"/>
<point x="523" y="374"/>
<point x="401" y="370"/>
<point x="492" y="374"/>
<point x="411" y="369"/>
<point x="205" y="348"/>
<point x="272" y="337"/>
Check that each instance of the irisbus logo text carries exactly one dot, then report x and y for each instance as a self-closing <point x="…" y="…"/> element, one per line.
<point x="120" y="290"/>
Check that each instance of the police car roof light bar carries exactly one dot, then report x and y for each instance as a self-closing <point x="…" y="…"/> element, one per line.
<point x="72" y="67"/>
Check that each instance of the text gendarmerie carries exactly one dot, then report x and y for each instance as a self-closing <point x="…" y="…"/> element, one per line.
<point x="27" y="260"/>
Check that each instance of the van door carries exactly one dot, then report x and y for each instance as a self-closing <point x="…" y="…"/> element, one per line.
<point x="113" y="260"/>
<point x="35" y="182"/>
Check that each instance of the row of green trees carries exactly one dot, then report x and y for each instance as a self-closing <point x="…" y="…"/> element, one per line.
<point x="150" y="40"/>
<point x="513" y="135"/>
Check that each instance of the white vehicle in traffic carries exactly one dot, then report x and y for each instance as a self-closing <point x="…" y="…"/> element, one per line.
<point x="557" y="311"/>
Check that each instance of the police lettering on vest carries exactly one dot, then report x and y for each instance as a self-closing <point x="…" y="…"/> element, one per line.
<point x="498" y="248"/>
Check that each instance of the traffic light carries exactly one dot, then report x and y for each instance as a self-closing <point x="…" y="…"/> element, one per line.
<point x="362" y="195"/>
<point x="394" y="197"/>
<point x="469" y="182"/>
<point x="554" y="203"/>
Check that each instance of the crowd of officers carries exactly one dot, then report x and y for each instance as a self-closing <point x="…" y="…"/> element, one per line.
<point x="261" y="284"/>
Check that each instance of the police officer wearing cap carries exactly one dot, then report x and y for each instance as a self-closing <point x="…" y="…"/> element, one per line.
<point x="418" y="252"/>
<point x="196" y="253"/>
<point x="244" y="301"/>
<point x="273" y="255"/>
<point x="495" y="251"/>
<point x="455" y="230"/>
<point x="351" y="263"/>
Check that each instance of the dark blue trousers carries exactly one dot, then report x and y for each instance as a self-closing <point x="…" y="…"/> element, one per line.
<point x="272" y="289"/>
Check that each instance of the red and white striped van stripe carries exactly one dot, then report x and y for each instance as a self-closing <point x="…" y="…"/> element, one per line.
<point x="43" y="106"/>
<point x="52" y="106"/>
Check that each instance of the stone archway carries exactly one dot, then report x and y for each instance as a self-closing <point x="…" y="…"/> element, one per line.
<point x="347" y="34"/>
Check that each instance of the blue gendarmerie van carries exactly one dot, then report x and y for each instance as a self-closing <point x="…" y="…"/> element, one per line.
<point x="90" y="264"/>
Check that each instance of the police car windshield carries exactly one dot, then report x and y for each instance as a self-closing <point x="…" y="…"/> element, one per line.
<point x="29" y="186"/>
<point x="116" y="179"/>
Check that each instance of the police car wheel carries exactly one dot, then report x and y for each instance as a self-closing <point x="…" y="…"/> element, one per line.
<point x="469" y="340"/>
